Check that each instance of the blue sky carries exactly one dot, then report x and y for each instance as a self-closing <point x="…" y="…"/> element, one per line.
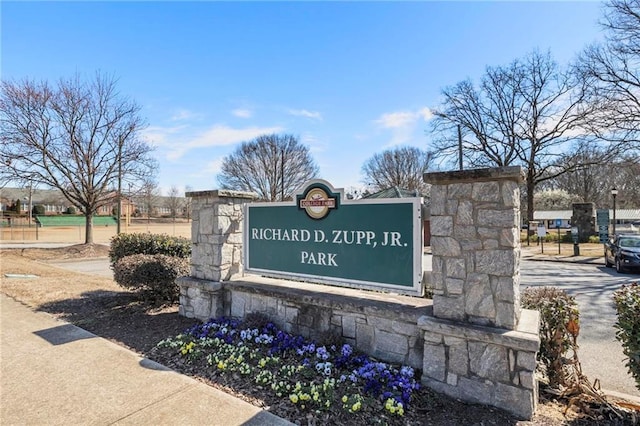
<point x="349" y="78"/>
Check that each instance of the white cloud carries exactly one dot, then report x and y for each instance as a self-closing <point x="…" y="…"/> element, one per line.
<point x="221" y="135"/>
<point x="403" y="124"/>
<point x="315" y="115"/>
<point x="182" y="114"/>
<point x="218" y="135"/>
<point x="213" y="167"/>
<point x="395" y="120"/>
<point x="314" y="144"/>
<point x="426" y="114"/>
<point x="162" y="136"/>
<point x="242" y="113"/>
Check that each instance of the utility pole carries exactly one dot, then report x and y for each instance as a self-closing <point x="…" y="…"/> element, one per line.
<point x="282" y="174"/>
<point x="459" y="147"/>
<point x="30" y="202"/>
<point x="119" y="195"/>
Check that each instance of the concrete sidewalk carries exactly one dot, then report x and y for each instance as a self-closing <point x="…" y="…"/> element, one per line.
<point x="54" y="373"/>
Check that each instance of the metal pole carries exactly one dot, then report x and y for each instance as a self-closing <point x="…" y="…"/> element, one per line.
<point x="614" y="214"/>
<point x="119" y="195"/>
<point x="459" y="147"/>
<point x="282" y="175"/>
<point x="30" y="202"/>
<point x="129" y="205"/>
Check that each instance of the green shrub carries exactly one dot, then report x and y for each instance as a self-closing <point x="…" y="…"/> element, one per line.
<point x="594" y="239"/>
<point x="153" y="276"/>
<point x="627" y="300"/>
<point x="38" y="209"/>
<point x="124" y="245"/>
<point x="70" y="210"/>
<point x="552" y="236"/>
<point x="559" y="327"/>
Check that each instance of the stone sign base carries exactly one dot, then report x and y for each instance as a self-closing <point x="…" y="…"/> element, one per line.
<point x="485" y="365"/>
<point x="474" y="363"/>
<point x="381" y="325"/>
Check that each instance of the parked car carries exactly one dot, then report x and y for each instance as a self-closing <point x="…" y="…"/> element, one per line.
<point x="623" y="252"/>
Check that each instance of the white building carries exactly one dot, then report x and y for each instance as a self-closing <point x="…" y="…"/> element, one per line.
<point x="626" y="219"/>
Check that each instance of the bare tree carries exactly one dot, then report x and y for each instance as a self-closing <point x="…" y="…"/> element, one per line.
<point x="589" y="179"/>
<point x="150" y="197"/>
<point x="628" y="184"/>
<point x="611" y="71"/>
<point x="174" y="202"/>
<point x="554" y="199"/>
<point x="401" y="167"/>
<point x="273" y="166"/>
<point x="78" y="137"/>
<point x="528" y="113"/>
<point x="593" y="183"/>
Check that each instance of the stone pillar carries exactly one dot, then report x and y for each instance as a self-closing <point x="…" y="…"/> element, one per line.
<point x="216" y="233"/>
<point x="216" y="251"/>
<point x="584" y="217"/>
<point x="479" y="345"/>
<point x="475" y="218"/>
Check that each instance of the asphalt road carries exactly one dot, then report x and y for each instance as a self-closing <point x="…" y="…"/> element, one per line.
<point x="599" y="352"/>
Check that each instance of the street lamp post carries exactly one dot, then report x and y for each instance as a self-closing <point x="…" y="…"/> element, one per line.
<point x="614" y="193"/>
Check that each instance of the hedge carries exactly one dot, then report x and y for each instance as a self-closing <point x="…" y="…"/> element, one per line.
<point x="559" y="328"/>
<point x="627" y="300"/>
<point x="153" y="276"/>
<point x="124" y="245"/>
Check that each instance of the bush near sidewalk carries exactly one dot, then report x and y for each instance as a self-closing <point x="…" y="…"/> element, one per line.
<point x="124" y="245"/>
<point x="150" y="264"/>
<point x="627" y="300"/>
<point x="153" y="276"/>
<point x="559" y="327"/>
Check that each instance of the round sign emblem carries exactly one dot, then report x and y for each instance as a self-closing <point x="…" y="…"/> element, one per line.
<point x="317" y="203"/>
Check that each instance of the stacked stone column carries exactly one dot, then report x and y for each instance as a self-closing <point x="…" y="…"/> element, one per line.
<point x="475" y="218"/>
<point x="479" y="345"/>
<point x="584" y="218"/>
<point x="216" y="251"/>
<point x="217" y="233"/>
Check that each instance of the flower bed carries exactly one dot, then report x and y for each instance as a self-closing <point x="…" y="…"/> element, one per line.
<point x="314" y="379"/>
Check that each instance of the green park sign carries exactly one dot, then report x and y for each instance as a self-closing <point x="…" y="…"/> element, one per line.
<point x="323" y="237"/>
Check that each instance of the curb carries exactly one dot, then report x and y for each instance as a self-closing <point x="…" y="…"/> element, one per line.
<point x="582" y="260"/>
<point x="619" y="395"/>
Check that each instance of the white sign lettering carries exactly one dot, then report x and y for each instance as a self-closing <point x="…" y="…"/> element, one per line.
<point x="337" y="236"/>
<point x="323" y="259"/>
